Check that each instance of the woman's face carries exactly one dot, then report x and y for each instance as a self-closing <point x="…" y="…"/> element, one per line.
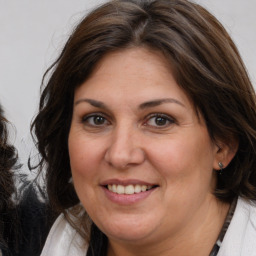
<point x="142" y="162"/>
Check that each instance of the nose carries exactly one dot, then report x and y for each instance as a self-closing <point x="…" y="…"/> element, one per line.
<point x="124" y="150"/>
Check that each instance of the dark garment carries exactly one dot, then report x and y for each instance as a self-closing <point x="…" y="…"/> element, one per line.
<point x="27" y="226"/>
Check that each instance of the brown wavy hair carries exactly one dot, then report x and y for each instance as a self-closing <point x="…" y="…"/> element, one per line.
<point x="8" y="159"/>
<point x="206" y="65"/>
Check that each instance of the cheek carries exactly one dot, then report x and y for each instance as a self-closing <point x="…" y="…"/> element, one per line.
<point x="79" y="155"/>
<point x="82" y="162"/>
<point x="85" y="159"/>
<point x="184" y="158"/>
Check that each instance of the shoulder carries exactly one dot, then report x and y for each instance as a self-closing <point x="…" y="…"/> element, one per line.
<point x="35" y="219"/>
<point x="241" y="234"/>
<point x="63" y="240"/>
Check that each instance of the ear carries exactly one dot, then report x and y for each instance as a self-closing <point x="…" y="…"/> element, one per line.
<point x="225" y="152"/>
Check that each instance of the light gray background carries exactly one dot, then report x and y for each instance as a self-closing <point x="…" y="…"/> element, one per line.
<point x="32" y="33"/>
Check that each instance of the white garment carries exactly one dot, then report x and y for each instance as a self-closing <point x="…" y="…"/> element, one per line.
<point x="239" y="240"/>
<point x="63" y="240"/>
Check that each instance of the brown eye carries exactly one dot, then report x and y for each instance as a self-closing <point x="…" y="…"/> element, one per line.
<point x="95" y="120"/>
<point x="159" y="120"/>
<point x="99" y="120"/>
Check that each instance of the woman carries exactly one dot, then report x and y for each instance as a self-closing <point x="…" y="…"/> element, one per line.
<point x="8" y="218"/>
<point x="24" y="219"/>
<point x="147" y="130"/>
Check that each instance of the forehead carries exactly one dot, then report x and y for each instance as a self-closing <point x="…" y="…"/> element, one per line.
<point x="138" y="72"/>
<point x="130" y="64"/>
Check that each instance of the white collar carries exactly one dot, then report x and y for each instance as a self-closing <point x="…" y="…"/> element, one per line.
<point x="63" y="240"/>
<point x="240" y="238"/>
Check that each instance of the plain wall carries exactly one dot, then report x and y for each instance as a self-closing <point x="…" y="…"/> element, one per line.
<point x="32" y="33"/>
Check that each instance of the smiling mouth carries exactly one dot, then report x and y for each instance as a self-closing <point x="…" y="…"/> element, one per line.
<point x="129" y="189"/>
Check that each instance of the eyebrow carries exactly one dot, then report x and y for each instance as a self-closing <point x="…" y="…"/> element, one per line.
<point x="157" y="102"/>
<point x="95" y="103"/>
<point x="147" y="104"/>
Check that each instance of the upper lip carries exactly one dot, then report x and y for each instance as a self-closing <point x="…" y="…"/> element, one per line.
<point x="126" y="182"/>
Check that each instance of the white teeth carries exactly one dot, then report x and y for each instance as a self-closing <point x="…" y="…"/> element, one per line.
<point x="113" y="188"/>
<point x="143" y="188"/>
<point x="137" y="188"/>
<point x="129" y="189"/>
<point x="120" y="189"/>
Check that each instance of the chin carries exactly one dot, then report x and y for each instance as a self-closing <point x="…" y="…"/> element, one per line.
<point x="128" y="229"/>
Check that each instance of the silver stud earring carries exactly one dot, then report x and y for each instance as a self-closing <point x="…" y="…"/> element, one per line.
<point x="221" y="167"/>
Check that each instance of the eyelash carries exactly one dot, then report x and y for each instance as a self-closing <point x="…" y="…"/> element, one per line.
<point x="92" y="117"/>
<point x="165" y="117"/>
<point x="86" y="119"/>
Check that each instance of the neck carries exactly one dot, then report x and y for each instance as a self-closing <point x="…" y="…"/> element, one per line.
<point x="197" y="238"/>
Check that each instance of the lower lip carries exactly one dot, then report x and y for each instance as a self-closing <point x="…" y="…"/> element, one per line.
<point x="124" y="199"/>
